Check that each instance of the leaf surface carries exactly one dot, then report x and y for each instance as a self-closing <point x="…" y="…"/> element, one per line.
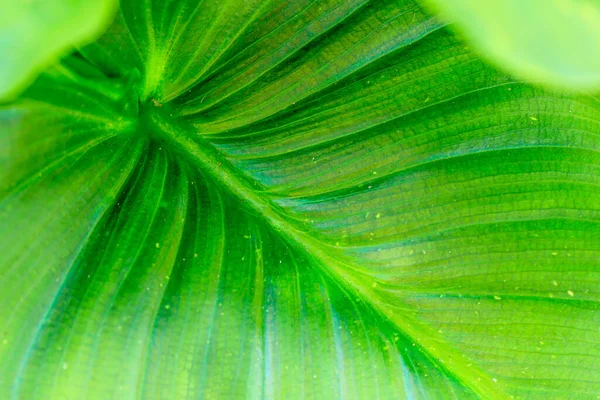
<point x="335" y="201"/>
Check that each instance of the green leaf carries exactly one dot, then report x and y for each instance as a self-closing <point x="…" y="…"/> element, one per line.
<point x="36" y="33"/>
<point x="553" y="42"/>
<point x="334" y="199"/>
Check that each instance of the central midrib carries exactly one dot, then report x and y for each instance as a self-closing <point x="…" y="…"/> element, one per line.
<point x="182" y="138"/>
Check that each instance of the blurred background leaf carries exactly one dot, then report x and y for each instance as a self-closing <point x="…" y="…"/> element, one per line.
<point x="556" y="42"/>
<point x="35" y="33"/>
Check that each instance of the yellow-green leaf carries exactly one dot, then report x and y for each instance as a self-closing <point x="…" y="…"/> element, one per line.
<point x="552" y="42"/>
<point x="296" y="200"/>
<point x="36" y="33"/>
